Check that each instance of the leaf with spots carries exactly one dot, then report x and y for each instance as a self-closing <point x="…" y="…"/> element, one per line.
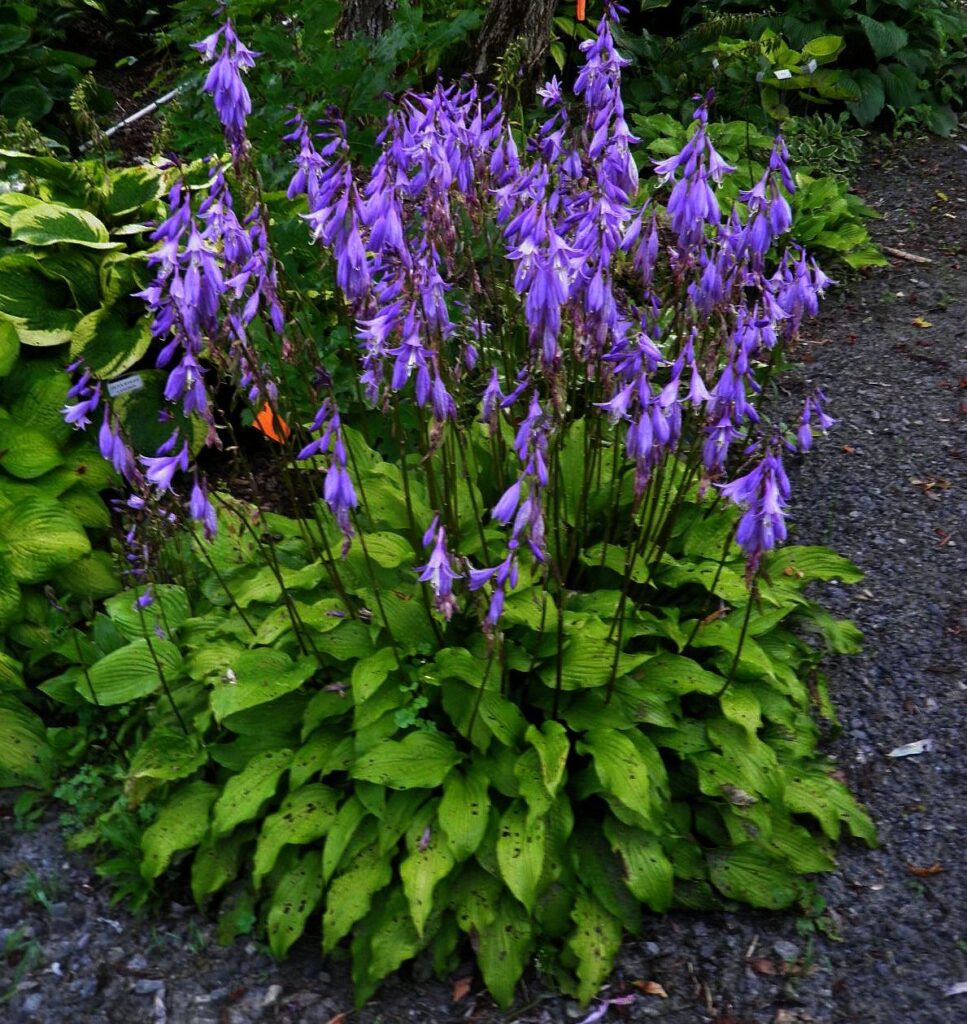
<point x="830" y="802"/>
<point x="649" y="874"/>
<point x="503" y="949"/>
<point x="595" y="943"/>
<point x="305" y="815"/>
<point x="749" y="874"/>
<point x="418" y="761"/>
<point x="428" y="863"/>
<point x="463" y="811"/>
<point x="181" y="824"/>
<point x="350" y="895"/>
<point x="520" y="852"/>
<point x="245" y="793"/>
<point x="296" y="896"/>
<point x="217" y="862"/>
<point x="621" y="770"/>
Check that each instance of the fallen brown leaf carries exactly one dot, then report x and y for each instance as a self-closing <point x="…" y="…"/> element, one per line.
<point x="763" y="966"/>
<point x="339" y="1018"/>
<point x="925" y="872"/>
<point x="650" y="988"/>
<point x="461" y="987"/>
<point x="918" y="321"/>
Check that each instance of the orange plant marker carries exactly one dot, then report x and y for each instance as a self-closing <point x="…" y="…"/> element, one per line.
<point x="266" y="422"/>
<point x="579" y="13"/>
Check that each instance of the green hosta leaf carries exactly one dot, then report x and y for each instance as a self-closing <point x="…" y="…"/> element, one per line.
<point x="180" y="825"/>
<point x="261" y="675"/>
<point x="520" y="853"/>
<point x="587" y="661"/>
<point x="11" y="673"/>
<point x="133" y="187"/>
<point x="503" y="949"/>
<point x="305" y="815"/>
<point x="419" y="760"/>
<point x="370" y="673"/>
<point x="802" y="564"/>
<point x="35" y="394"/>
<point x="622" y="771"/>
<point x="245" y="793"/>
<point x="886" y="37"/>
<point x="296" y="896"/>
<point x="168" y="611"/>
<point x="464" y="810"/>
<point x="724" y="582"/>
<point x="327" y="750"/>
<point x="678" y="675"/>
<point x="38" y="307"/>
<point x="26" y="758"/>
<point x="12" y="202"/>
<point x="595" y="943"/>
<point x="740" y="705"/>
<point x="91" y="577"/>
<point x="30" y="101"/>
<point x="841" y="635"/>
<point x="748" y="874"/>
<point x="348" y="819"/>
<point x="553" y="746"/>
<point x="350" y="895"/>
<point x="131" y="672"/>
<point x="428" y="863"/>
<point x="26" y="453"/>
<point x="48" y="224"/>
<point x="9" y="347"/>
<point x="530" y="785"/>
<point x="11" y="604"/>
<point x="216" y="863"/>
<point x="389" y="550"/>
<point x="830" y="802"/>
<point x="13" y="37"/>
<point x="391" y="939"/>
<point x="796" y="845"/>
<point x="108" y="343"/>
<point x="823" y="48"/>
<point x="166" y="755"/>
<point x="649" y="874"/>
<point x="90" y="511"/>
<point x="873" y="97"/>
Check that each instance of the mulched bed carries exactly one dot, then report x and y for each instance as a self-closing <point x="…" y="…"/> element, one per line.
<point x="888" y="489"/>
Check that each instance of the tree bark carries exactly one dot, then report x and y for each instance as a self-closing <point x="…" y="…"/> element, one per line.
<point x="526" y="23"/>
<point x="366" y="17"/>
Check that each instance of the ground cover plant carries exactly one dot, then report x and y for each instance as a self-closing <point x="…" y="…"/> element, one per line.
<point x="514" y="655"/>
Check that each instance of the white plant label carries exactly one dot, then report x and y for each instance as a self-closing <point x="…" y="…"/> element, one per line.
<point x="124" y="385"/>
<point x="783" y="73"/>
<point x="811" y="65"/>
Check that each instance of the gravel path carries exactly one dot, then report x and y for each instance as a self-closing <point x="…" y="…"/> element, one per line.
<point x="889" y="491"/>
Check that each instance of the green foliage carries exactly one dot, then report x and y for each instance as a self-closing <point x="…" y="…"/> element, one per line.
<point x="893" y="56"/>
<point x="37" y="77"/>
<point x="306" y="66"/>
<point x="526" y="814"/>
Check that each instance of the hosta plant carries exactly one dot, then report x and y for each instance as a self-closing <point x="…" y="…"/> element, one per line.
<point x="522" y="663"/>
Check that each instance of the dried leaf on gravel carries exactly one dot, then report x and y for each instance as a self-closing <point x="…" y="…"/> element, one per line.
<point x="918" y="321"/>
<point x="651" y="988"/>
<point x="925" y="872"/>
<point x="339" y="1018"/>
<point x="909" y="749"/>
<point x="461" y="988"/>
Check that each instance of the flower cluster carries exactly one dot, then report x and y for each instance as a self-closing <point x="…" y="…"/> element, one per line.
<point x="675" y="358"/>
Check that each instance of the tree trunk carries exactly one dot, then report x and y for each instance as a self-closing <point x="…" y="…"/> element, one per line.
<point x="366" y="17"/>
<point x="524" y="27"/>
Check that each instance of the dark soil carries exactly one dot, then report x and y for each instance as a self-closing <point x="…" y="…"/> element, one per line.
<point x="888" y="489"/>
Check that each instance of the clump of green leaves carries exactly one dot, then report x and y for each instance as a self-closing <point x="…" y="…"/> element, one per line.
<point x="309" y="763"/>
